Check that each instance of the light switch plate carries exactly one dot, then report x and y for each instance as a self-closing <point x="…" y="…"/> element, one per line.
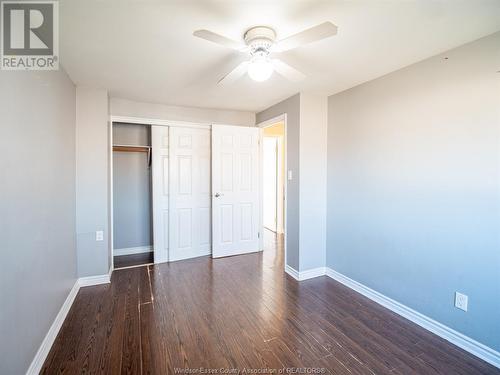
<point x="99" y="235"/>
<point x="461" y="301"/>
<point x="290" y="175"/>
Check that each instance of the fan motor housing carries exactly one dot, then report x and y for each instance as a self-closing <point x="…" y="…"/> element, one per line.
<point x="260" y="38"/>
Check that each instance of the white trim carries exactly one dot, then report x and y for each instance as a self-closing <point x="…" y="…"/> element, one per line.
<point x="305" y="275"/>
<point x="50" y="337"/>
<point x="110" y="195"/>
<point x="95" y="280"/>
<point x="272" y="121"/>
<point x="278" y="196"/>
<point x="292" y="272"/>
<point x="133" y="250"/>
<point x="468" y="344"/>
<point x="462" y="341"/>
<point x="312" y="273"/>
<point x="281" y="174"/>
<point x="159" y="122"/>
<point x="261" y="190"/>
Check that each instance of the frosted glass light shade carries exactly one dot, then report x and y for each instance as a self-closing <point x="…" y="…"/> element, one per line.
<point x="260" y="69"/>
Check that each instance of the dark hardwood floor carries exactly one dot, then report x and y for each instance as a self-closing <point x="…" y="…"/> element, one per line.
<point x="241" y="312"/>
<point x="132" y="260"/>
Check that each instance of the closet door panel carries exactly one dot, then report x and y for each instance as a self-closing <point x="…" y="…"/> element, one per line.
<point x="190" y="203"/>
<point x="160" y="169"/>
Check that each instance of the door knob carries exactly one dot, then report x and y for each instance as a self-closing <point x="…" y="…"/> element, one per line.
<point x="217" y="195"/>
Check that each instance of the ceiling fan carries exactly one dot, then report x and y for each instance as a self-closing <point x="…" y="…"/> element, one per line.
<point x="260" y="44"/>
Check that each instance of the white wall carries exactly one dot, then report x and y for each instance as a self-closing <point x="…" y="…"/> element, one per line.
<point x="129" y="108"/>
<point x="92" y="181"/>
<point x="313" y="156"/>
<point x="37" y="206"/>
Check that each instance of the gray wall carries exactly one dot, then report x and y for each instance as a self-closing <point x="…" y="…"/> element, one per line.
<point x="37" y="206"/>
<point x="131" y="188"/>
<point x="413" y="186"/>
<point x="291" y="107"/>
<point x="313" y="180"/>
<point x="92" y="181"/>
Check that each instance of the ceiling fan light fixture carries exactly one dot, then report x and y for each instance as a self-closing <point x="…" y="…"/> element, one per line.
<point x="260" y="69"/>
<point x="260" y="43"/>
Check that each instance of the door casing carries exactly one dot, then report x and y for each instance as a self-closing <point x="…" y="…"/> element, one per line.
<point x="160" y="122"/>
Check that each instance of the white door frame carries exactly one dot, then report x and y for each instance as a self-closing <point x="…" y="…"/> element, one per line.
<point x="137" y="121"/>
<point x="110" y="195"/>
<point x="281" y="175"/>
<point x="160" y="122"/>
<point x="277" y="196"/>
<point x="265" y="124"/>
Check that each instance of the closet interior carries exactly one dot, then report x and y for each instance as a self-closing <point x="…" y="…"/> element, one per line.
<point x="132" y="195"/>
<point x="163" y="180"/>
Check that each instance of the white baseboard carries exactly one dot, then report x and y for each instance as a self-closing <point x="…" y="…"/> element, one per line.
<point x="468" y="344"/>
<point x="304" y="275"/>
<point x="132" y="250"/>
<point x="50" y="337"/>
<point x="310" y="274"/>
<point x="292" y="272"/>
<point x="94" y="280"/>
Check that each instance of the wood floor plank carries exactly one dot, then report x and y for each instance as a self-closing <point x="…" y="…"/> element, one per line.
<point x="239" y="313"/>
<point x="145" y="293"/>
<point x="131" y="362"/>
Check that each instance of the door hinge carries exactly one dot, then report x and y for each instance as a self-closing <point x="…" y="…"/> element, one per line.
<point x="258" y="234"/>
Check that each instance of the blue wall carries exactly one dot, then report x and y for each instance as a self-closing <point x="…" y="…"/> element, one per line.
<point x="413" y="186"/>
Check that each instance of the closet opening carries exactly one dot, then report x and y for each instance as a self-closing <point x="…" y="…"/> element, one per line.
<point x="132" y="195"/>
<point x="183" y="190"/>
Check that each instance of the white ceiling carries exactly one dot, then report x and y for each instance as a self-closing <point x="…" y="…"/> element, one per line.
<point x="144" y="50"/>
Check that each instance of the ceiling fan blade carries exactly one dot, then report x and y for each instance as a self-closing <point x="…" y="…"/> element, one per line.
<point x="287" y="71"/>
<point x="219" y="39"/>
<point x="234" y="74"/>
<point x="315" y="33"/>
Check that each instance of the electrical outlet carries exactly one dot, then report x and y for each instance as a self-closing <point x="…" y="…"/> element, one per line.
<point x="99" y="235"/>
<point x="461" y="301"/>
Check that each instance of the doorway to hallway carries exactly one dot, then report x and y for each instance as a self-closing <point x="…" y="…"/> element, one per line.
<point x="273" y="153"/>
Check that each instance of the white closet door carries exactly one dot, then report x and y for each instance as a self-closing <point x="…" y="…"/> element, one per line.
<point x="160" y="166"/>
<point x="190" y="198"/>
<point x="235" y="187"/>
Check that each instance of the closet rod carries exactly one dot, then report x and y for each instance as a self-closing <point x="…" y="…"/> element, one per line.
<point x="131" y="148"/>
